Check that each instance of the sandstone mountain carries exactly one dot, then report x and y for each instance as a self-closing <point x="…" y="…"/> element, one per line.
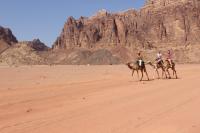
<point x="175" y="22"/>
<point x="35" y="44"/>
<point x="160" y="24"/>
<point x="7" y="39"/>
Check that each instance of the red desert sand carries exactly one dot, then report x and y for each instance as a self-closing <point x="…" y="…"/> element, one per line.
<point x="97" y="99"/>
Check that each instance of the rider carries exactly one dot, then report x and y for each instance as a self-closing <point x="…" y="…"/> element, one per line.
<point x="139" y="59"/>
<point x="169" y="57"/>
<point x="159" y="58"/>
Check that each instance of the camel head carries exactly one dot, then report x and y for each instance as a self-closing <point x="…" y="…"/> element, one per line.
<point x="149" y="62"/>
<point x="129" y="65"/>
<point x="167" y="62"/>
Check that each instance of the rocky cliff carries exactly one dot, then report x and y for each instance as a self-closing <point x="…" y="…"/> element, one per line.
<point x="159" y="22"/>
<point x="7" y="39"/>
<point x="36" y="44"/>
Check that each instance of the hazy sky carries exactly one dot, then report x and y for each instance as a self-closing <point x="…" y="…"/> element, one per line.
<point x="44" y="19"/>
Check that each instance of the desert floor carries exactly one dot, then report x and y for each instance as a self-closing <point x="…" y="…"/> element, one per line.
<point x="97" y="99"/>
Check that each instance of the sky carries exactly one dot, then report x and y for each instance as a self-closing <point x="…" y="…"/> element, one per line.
<point x="44" y="19"/>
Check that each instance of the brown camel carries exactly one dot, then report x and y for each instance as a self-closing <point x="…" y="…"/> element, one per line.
<point x="136" y="67"/>
<point x="172" y="66"/>
<point x="158" y="66"/>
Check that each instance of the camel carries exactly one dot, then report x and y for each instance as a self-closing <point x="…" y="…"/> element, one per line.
<point x="158" y="66"/>
<point x="136" y="67"/>
<point x="168" y="66"/>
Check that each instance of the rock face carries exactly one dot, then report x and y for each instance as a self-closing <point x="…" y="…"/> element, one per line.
<point x="97" y="57"/>
<point x="7" y="36"/>
<point x="163" y="2"/>
<point x="159" y="22"/>
<point x="7" y="39"/>
<point x="35" y="44"/>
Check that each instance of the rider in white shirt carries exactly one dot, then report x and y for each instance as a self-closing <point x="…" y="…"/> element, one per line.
<point x="159" y="57"/>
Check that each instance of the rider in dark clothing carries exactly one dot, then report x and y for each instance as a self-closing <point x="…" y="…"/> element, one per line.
<point x="139" y="59"/>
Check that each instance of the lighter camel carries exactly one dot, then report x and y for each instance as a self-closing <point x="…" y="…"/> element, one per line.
<point x="172" y="67"/>
<point x="156" y="67"/>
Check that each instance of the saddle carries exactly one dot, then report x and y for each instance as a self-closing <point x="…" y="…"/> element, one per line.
<point x="140" y="63"/>
<point x="160" y="62"/>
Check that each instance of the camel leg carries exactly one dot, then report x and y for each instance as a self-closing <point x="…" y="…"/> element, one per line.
<point x="142" y="75"/>
<point x="164" y="72"/>
<point x="138" y="74"/>
<point x="146" y="73"/>
<point x="174" y="71"/>
<point x="132" y="72"/>
<point x="158" y="73"/>
<point x="154" y="73"/>
<point x="168" y="73"/>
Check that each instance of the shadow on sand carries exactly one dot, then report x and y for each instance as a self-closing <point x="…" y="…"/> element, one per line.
<point x="172" y="78"/>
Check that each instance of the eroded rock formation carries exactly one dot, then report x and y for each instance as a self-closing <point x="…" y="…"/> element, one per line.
<point x="36" y="44"/>
<point x="167" y="22"/>
<point x="7" y="39"/>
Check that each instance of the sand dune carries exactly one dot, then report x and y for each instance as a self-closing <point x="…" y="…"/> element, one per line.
<point x="97" y="99"/>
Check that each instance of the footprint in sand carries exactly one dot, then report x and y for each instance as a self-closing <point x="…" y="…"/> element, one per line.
<point x="29" y="110"/>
